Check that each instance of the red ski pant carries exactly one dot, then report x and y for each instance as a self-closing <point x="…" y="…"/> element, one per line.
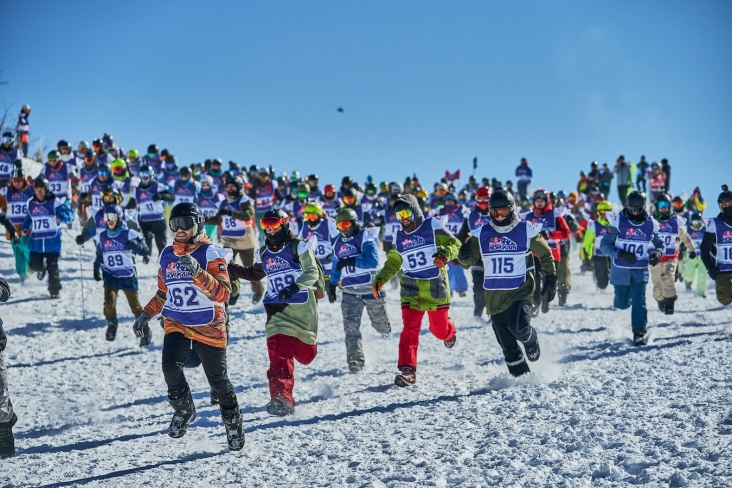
<point x="441" y="327"/>
<point x="283" y="350"/>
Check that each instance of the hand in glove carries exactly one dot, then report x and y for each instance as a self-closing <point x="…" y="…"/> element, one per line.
<point x="4" y="292"/>
<point x="628" y="257"/>
<point x="692" y="255"/>
<point x="440" y="260"/>
<point x="331" y="289"/>
<point x="140" y="324"/>
<point x="186" y="261"/>
<point x="16" y="239"/>
<point x="376" y="289"/>
<point x="465" y="251"/>
<point x="713" y="273"/>
<point x="654" y="257"/>
<point x="146" y="259"/>
<point x="156" y="197"/>
<point x="80" y="239"/>
<point x="550" y="287"/>
<point x="97" y="273"/>
<point x="288" y="292"/>
<point x="342" y="263"/>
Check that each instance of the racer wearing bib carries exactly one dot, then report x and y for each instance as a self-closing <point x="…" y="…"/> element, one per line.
<point x="265" y="194"/>
<point x="422" y="248"/>
<point x="595" y="231"/>
<point x="94" y="226"/>
<point x="290" y="303"/>
<point x="453" y="215"/>
<point x="477" y="217"/>
<point x="716" y="247"/>
<point x="355" y="262"/>
<point x="149" y="198"/>
<point x="316" y="226"/>
<point x="8" y="155"/>
<point x="14" y="202"/>
<point x="193" y="286"/>
<point x="330" y="201"/>
<point x="694" y="267"/>
<point x="505" y="245"/>
<point x="56" y="172"/>
<point x="208" y="201"/>
<point x="627" y="242"/>
<point x="185" y="187"/>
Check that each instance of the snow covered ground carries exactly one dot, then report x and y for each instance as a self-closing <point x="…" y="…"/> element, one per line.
<point x="595" y="412"/>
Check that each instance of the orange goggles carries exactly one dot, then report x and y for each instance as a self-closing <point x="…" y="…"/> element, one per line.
<point x="344" y="225"/>
<point x="349" y="199"/>
<point x="405" y="213"/>
<point x="311" y="217"/>
<point x="271" y="223"/>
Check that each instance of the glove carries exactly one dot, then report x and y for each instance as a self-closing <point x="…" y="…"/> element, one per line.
<point x="692" y="255"/>
<point x="289" y="291"/>
<point x="140" y="324"/>
<point x="156" y="198"/>
<point x="713" y="273"/>
<point x="550" y="287"/>
<point x="331" y="289"/>
<point x="376" y="289"/>
<point x="145" y="259"/>
<point x="186" y="261"/>
<point x="131" y="204"/>
<point x="628" y="257"/>
<point x="4" y="291"/>
<point x="440" y="260"/>
<point x="342" y="263"/>
<point x="97" y="274"/>
<point x="654" y="257"/>
<point x="16" y="239"/>
<point x="225" y="211"/>
<point x="465" y="251"/>
<point x="80" y="239"/>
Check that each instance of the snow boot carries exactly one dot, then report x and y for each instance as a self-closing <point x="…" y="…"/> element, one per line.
<point x="7" y="441"/>
<point x="146" y="337"/>
<point x="111" y="333"/>
<point x="519" y="368"/>
<point x="544" y="304"/>
<point x="214" y="398"/>
<point x="234" y="430"/>
<point x="450" y="343"/>
<point x="408" y="376"/>
<point x="185" y="412"/>
<point x="688" y="285"/>
<point x="533" y="351"/>
<point x="279" y="408"/>
<point x="41" y="274"/>
<point x="534" y="311"/>
<point x="562" y="298"/>
<point x="256" y="298"/>
<point x="478" y="312"/>
<point x="233" y="299"/>
<point x="355" y="366"/>
<point x="661" y="305"/>
<point x="640" y="337"/>
<point x="669" y="305"/>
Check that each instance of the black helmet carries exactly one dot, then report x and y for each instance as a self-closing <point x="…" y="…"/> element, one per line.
<point x="153" y="149"/>
<point x="98" y="143"/>
<point x="635" y="206"/>
<point x="347" y="180"/>
<point x="40" y="182"/>
<point x="17" y="172"/>
<point x="185" y="172"/>
<point x="312" y="177"/>
<point x="104" y="168"/>
<point x="146" y="171"/>
<point x="696" y="221"/>
<point x="662" y="201"/>
<point x="63" y="143"/>
<point x="234" y="180"/>
<point x="725" y="196"/>
<point x="164" y="153"/>
<point x="501" y="199"/>
<point x="278" y="238"/>
<point x="187" y="215"/>
<point x="108" y="140"/>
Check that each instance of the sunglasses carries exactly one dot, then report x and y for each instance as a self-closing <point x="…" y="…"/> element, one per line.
<point x="344" y="225"/>
<point x="184" y="223"/>
<point x="311" y="217"/>
<point x="405" y="213"/>
<point x="271" y="223"/>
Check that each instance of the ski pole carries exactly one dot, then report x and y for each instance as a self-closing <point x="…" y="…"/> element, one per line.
<point x="81" y="278"/>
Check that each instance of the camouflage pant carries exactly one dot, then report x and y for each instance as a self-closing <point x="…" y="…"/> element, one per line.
<point x="723" y="284"/>
<point x="6" y="408"/>
<point x="352" y="307"/>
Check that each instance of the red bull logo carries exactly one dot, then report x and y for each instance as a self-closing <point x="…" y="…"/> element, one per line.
<point x="727" y="236"/>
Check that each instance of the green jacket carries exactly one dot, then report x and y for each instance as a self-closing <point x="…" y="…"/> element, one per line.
<point x="497" y="301"/>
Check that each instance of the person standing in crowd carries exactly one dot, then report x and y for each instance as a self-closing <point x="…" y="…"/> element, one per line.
<point x="523" y="175"/>
<point x="622" y="171"/>
<point x="14" y="202"/>
<point x="8" y="418"/>
<point x="8" y="157"/>
<point x="422" y="248"/>
<point x="605" y="178"/>
<point x="22" y="129"/>
<point x="643" y="172"/>
<point x="716" y="247"/>
<point x="193" y="285"/>
<point x="633" y="242"/>
<point x="666" y="170"/>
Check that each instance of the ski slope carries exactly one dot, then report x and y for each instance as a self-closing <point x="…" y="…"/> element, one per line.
<point x="596" y="411"/>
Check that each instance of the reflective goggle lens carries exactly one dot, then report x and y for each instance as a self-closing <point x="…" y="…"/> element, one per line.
<point x="111" y="217"/>
<point x="405" y="213"/>
<point x="104" y="173"/>
<point x="678" y="204"/>
<point x="663" y="204"/>
<point x="500" y="213"/>
<point x="7" y="140"/>
<point x="344" y="225"/>
<point x="349" y="199"/>
<point x="302" y="195"/>
<point x="271" y="223"/>
<point x="184" y="223"/>
<point x="312" y="217"/>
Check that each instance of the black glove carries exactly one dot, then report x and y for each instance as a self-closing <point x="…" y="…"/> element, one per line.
<point x="16" y="238"/>
<point x="331" y="289"/>
<point x="289" y="291"/>
<point x="4" y="290"/>
<point x="654" y="257"/>
<point x="465" y="251"/>
<point x="146" y="259"/>
<point x="550" y="287"/>
<point x="140" y="324"/>
<point x="713" y="273"/>
<point x="156" y="197"/>
<point x="628" y="257"/>
<point x="692" y="254"/>
<point x="225" y="211"/>
<point x="80" y="239"/>
<point x="97" y="273"/>
<point x="342" y="263"/>
<point x="131" y="204"/>
<point x="186" y="261"/>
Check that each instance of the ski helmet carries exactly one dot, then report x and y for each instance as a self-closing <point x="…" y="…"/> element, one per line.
<point x="604" y="206"/>
<point x="187" y="215"/>
<point x="347" y="215"/>
<point x="113" y="213"/>
<point x="346" y="181"/>
<point x="185" y="173"/>
<point x="483" y="199"/>
<point x="207" y="180"/>
<point x="661" y="203"/>
<point x="164" y="154"/>
<point x="329" y="190"/>
<point x="7" y="139"/>
<point x="83" y="146"/>
<point x="25" y="109"/>
<point x="63" y="144"/>
<point x="396" y="188"/>
<point x="313" y="214"/>
<point x="53" y="155"/>
<point x="236" y="181"/>
<point x="371" y="189"/>
<point x="147" y="175"/>
<point x="724" y="200"/>
<point x="500" y="201"/>
<point x="678" y="204"/>
<point x="104" y="170"/>
<point x="97" y="145"/>
<point x="635" y="206"/>
<point x="153" y="150"/>
<point x="277" y="219"/>
<point x="112" y="192"/>
<point x="17" y="172"/>
<point x="132" y="155"/>
<point x="119" y="167"/>
<point x="349" y="197"/>
<point x="40" y="182"/>
<point x="303" y="191"/>
<point x="696" y="221"/>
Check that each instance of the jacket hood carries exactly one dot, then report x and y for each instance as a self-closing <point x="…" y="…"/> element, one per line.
<point x="411" y="202"/>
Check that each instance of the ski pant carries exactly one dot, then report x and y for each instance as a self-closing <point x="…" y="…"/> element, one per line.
<point x="246" y="256"/>
<point x="723" y="285"/>
<point x="257" y="217"/>
<point x="623" y="193"/>
<point x="22" y="256"/>
<point x="110" y="302"/>
<point x="539" y="275"/>
<point x="157" y="230"/>
<point x="695" y="267"/>
<point x="664" y="280"/>
<point x="633" y="295"/>
<point x="36" y="263"/>
<point x="512" y="326"/>
<point x="283" y="351"/>
<point x="564" y="275"/>
<point x="352" y="308"/>
<point x="441" y="327"/>
<point x="176" y="349"/>
<point x="6" y="406"/>
<point x="640" y="184"/>
<point x="456" y="275"/>
<point x="478" y="290"/>
<point x="522" y="189"/>
<point x="601" y="271"/>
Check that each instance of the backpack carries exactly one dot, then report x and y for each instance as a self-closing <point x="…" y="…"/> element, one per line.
<point x="320" y="283"/>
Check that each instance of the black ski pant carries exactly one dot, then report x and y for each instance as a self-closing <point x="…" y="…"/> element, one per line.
<point x="623" y="193"/>
<point x="176" y="349"/>
<point x="511" y="327"/>
<point x="155" y="229"/>
<point x="601" y="270"/>
<point x="478" y="290"/>
<point x="36" y="262"/>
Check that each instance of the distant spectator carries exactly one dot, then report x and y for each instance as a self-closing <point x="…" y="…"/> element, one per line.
<point x="622" y="171"/>
<point x="593" y="177"/>
<point x="657" y="181"/>
<point x="666" y="170"/>
<point x="643" y="172"/>
<point x="583" y="185"/>
<point x="23" y="129"/>
<point x="695" y="203"/>
<point x="606" y="177"/>
<point x="523" y="177"/>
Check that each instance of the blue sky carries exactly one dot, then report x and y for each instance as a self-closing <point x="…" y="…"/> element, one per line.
<point x="426" y="86"/>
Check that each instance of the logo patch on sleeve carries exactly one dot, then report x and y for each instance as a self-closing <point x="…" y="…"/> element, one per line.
<point x="222" y="267"/>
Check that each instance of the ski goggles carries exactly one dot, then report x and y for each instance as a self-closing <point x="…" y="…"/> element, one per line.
<point x="541" y="195"/>
<point x="111" y="217"/>
<point x="7" y="140"/>
<point x="697" y="224"/>
<point x="349" y="199"/>
<point x="500" y="213"/>
<point x="405" y="213"/>
<point x="105" y="173"/>
<point x="273" y="223"/>
<point x="183" y="223"/>
<point x="678" y="205"/>
<point x="344" y="225"/>
<point x="53" y="162"/>
<point x="89" y="157"/>
<point x="663" y="205"/>
<point x="441" y="192"/>
<point x="152" y="155"/>
<point x="311" y="217"/>
<point x="302" y="195"/>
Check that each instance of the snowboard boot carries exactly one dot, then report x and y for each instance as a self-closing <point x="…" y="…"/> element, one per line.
<point x="544" y="304"/>
<point x="688" y="285"/>
<point x="234" y="431"/>
<point x="640" y="337"/>
<point x="279" y="408"/>
<point x="661" y="305"/>
<point x="533" y="352"/>
<point x="478" y="312"/>
<point x="518" y="368"/>
<point x="7" y="441"/>
<point x="146" y="338"/>
<point x="111" y="333"/>
<point x="355" y="366"/>
<point x="214" y="398"/>
<point x="534" y="310"/>
<point x="450" y="343"/>
<point x="185" y="412"/>
<point x="562" y="298"/>
<point x="41" y="274"/>
<point x="387" y="333"/>
<point x="256" y="298"/>
<point x="233" y="299"/>
<point x="669" y="305"/>
<point x="408" y="376"/>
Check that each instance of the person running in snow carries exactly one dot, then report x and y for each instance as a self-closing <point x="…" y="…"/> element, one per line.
<point x="316" y="223"/>
<point x="596" y="230"/>
<point x="45" y="213"/>
<point x="716" y="247"/>
<point x="8" y="418"/>
<point x="422" y="248"/>
<point x="505" y="245"/>
<point x="633" y="242"/>
<point x="149" y="196"/>
<point x="694" y="267"/>
<point x="292" y="272"/>
<point x="265" y="194"/>
<point x="14" y="202"/>
<point x="97" y="224"/>
<point x="209" y="200"/>
<point x="115" y="264"/>
<point x="57" y="173"/>
<point x="193" y="285"/>
<point x="453" y="215"/>
<point x="9" y="154"/>
<point x="355" y="261"/>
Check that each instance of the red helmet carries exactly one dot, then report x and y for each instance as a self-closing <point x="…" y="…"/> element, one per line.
<point x="483" y="194"/>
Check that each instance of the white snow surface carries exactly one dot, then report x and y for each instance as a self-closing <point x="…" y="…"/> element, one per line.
<point x="595" y="411"/>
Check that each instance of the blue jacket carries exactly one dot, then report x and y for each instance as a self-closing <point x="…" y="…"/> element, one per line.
<point x="64" y="214"/>
<point x="369" y="259"/>
<point x="626" y="276"/>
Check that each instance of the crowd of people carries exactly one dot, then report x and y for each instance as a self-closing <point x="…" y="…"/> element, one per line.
<point x="309" y="243"/>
